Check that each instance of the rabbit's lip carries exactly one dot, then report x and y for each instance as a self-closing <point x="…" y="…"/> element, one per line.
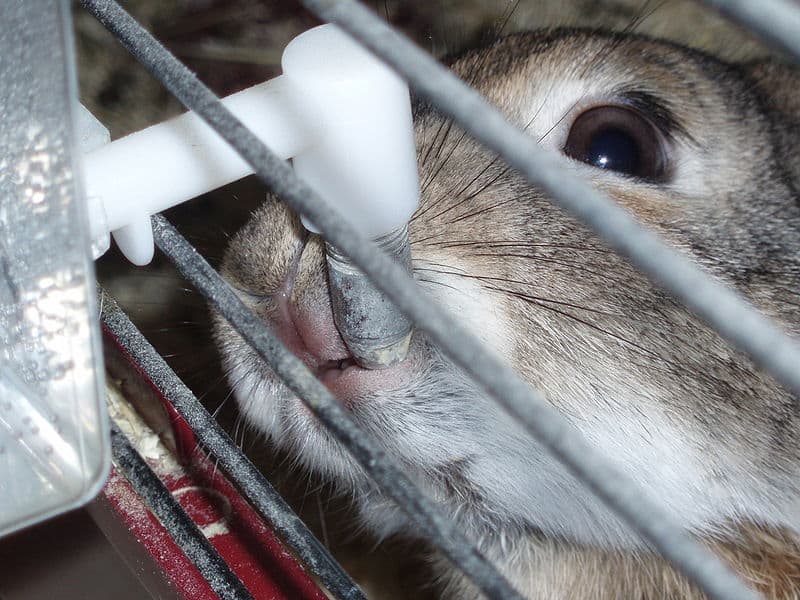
<point x="315" y="340"/>
<point x="311" y="334"/>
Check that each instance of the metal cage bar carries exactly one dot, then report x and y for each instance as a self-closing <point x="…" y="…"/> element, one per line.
<point x="250" y="481"/>
<point x="775" y="21"/>
<point x="771" y="349"/>
<point x="178" y="524"/>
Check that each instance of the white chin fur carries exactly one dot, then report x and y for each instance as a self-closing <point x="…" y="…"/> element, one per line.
<point x="520" y="485"/>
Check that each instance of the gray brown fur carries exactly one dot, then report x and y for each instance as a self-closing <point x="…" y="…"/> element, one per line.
<point x="653" y="388"/>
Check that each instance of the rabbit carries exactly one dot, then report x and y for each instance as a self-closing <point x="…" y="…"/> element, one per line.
<point x="699" y="150"/>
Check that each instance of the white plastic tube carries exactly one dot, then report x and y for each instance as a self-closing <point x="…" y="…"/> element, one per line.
<point x="152" y="170"/>
<point x="342" y="115"/>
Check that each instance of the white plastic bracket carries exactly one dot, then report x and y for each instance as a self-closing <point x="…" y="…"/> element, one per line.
<point x="341" y="114"/>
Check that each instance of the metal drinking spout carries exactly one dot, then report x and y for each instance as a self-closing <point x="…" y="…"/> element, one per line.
<point x="375" y="332"/>
<point x="364" y="164"/>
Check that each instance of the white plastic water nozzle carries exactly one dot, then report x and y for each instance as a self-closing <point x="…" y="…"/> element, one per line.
<point x="363" y="159"/>
<point x="343" y="117"/>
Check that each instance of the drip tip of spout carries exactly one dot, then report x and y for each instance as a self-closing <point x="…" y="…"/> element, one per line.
<point x="377" y="334"/>
<point x="370" y="356"/>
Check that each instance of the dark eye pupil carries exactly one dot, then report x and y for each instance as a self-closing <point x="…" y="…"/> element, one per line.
<point x="620" y="139"/>
<point x="614" y="149"/>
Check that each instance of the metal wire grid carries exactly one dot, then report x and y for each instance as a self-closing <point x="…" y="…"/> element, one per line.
<point x="251" y="482"/>
<point x="732" y="316"/>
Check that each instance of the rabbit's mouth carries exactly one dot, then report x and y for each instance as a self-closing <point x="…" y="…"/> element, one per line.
<point x="313" y="338"/>
<point x="308" y="330"/>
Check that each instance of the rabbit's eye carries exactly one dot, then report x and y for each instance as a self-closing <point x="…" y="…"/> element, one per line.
<point x="619" y="139"/>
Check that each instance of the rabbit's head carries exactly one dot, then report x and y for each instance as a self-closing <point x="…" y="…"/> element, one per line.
<point x="696" y="149"/>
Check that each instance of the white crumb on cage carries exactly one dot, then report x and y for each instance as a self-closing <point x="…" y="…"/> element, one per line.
<point x="214" y="529"/>
<point x="132" y="505"/>
<point x="220" y="526"/>
<point x="140" y="435"/>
